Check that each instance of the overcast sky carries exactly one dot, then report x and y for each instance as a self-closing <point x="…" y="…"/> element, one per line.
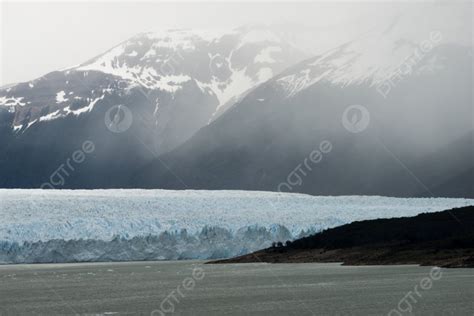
<point x="40" y="37"/>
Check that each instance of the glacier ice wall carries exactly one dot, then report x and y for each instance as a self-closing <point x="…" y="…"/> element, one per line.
<point x="119" y="225"/>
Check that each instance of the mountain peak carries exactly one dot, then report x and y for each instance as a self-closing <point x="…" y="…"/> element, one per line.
<point x="171" y="74"/>
<point x="226" y="63"/>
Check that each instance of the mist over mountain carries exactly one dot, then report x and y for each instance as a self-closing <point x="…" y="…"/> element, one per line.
<point x="396" y="112"/>
<point x="388" y="112"/>
<point x="162" y="86"/>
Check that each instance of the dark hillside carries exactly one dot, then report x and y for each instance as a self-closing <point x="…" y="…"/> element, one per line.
<point x="443" y="238"/>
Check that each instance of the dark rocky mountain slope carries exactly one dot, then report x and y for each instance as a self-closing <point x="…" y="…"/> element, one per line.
<point x="443" y="238"/>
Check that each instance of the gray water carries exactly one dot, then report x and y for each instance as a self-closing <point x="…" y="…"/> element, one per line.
<point x="191" y="288"/>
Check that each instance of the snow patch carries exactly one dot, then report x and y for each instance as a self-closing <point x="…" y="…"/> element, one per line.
<point x="31" y="123"/>
<point x="50" y="116"/>
<point x="171" y="83"/>
<point x="60" y="97"/>
<point x="12" y="101"/>
<point x="238" y="83"/>
<point x="295" y="83"/>
<point x="84" y="109"/>
<point x="372" y="59"/>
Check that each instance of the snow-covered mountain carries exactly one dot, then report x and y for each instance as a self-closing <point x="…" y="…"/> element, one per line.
<point x="240" y="110"/>
<point x="222" y="65"/>
<point x="391" y="104"/>
<point x="172" y="82"/>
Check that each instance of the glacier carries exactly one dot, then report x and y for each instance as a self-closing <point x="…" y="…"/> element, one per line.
<point x="134" y="224"/>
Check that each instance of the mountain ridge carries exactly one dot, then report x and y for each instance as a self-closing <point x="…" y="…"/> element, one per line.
<point x="233" y="152"/>
<point x="169" y="88"/>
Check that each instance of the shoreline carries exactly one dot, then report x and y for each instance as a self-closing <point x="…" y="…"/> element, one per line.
<point x="354" y="257"/>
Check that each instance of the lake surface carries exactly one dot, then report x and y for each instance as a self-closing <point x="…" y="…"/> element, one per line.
<point x="192" y="288"/>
